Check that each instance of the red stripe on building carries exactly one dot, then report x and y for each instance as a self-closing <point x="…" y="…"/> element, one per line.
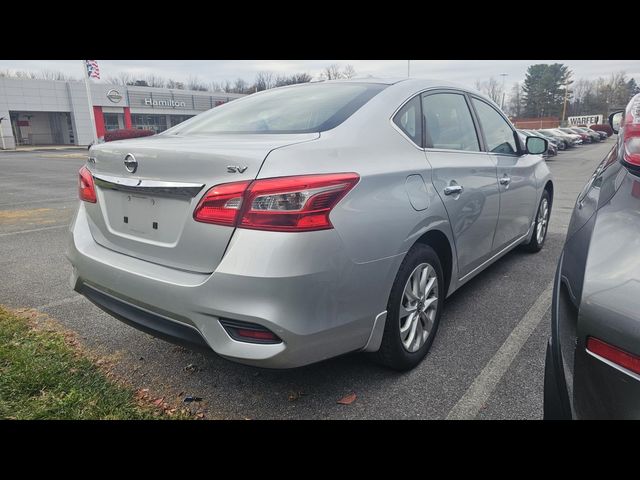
<point x="97" y="113"/>
<point x="127" y="117"/>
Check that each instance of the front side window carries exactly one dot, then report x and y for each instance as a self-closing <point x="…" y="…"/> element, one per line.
<point x="409" y="120"/>
<point x="298" y="109"/>
<point x="448" y="122"/>
<point x="497" y="132"/>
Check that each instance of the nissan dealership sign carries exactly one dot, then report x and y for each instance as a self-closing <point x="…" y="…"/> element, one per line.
<point x="585" y="120"/>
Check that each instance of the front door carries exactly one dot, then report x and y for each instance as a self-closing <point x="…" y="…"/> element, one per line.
<point x="463" y="175"/>
<point x="516" y="177"/>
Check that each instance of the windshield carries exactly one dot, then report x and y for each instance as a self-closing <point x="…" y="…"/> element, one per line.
<point x="298" y="109"/>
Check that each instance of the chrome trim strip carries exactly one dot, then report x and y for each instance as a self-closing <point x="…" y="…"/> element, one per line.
<point x="148" y="187"/>
<point x="495" y="257"/>
<point x="614" y="365"/>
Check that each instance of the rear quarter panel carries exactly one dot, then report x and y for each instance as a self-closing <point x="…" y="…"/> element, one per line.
<point x="610" y="306"/>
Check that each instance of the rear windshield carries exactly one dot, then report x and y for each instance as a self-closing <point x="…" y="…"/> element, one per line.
<point x="298" y="109"/>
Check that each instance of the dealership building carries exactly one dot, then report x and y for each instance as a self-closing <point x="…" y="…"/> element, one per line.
<point x="48" y="112"/>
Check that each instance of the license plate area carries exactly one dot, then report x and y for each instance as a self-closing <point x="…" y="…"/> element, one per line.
<point x="145" y="217"/>
<point x="139" y="214"/>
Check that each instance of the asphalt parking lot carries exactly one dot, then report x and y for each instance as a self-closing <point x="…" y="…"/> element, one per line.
<point x="487" y="360"/>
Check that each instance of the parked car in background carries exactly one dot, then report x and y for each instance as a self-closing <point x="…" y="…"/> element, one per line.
<point x="601" y="134"/>
<point x="568" y="141"/>
<point x="595" y="137"/>
<point x="304" y="222"/>
<point x="577" y="139"/>
<point x="556" y="142"/>
<point x="570" y="131"/>
<point x="592" y="366"/>
<point x="602" y="128"/>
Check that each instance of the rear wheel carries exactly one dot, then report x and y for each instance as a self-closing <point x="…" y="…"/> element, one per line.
<point x="413" y="310"/>
<point x="541" y="225"/>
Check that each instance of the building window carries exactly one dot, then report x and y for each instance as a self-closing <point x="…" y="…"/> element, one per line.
<point x="111" y="121"/>
<point x="157" y="123"/>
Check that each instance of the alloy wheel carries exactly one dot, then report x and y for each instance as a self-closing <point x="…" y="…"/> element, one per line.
<point x="543" y="220"/>
<point x="418" y="307"/>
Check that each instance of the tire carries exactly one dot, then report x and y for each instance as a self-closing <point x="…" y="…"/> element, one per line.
<point x="397" y="350"/>
<point x="537" y="241"/>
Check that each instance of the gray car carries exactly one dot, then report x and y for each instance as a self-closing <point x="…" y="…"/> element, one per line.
<point x="305" y="222"/>
<point x="592" y="366"/>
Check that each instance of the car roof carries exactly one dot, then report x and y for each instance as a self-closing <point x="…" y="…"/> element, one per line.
<point x="417" y="83"/>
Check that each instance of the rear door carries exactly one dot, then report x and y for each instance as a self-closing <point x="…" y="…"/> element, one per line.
<point x="146" y="212"/>
<point x="463" y="175"/>
<point x="516" y="177"/>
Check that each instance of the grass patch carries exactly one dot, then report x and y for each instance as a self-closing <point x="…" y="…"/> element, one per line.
<point x="44" y="374"/>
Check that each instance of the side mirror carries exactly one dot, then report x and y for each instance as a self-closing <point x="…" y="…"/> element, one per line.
<point x="536" y="145"/>
<point x="615" y="120"/>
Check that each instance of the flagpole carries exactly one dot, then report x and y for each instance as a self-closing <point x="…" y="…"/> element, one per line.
<point x="89" y="103"/>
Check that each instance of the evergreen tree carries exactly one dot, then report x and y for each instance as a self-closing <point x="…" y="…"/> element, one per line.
<point x="544" y="89"/>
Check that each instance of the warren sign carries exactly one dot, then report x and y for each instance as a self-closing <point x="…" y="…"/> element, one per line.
<point x="587" y="120"/>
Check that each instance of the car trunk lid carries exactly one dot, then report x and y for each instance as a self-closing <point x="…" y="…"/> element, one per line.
<point x="147" y="213"/>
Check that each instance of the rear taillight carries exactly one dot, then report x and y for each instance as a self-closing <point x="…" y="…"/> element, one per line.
<point x="294" y="203"/>
<point x="613" y="354"/>
<point x="86" y="188"/>
<point x="631" y="132"/>
<point x="221" y="204"/>
<point x="284" y="204"/>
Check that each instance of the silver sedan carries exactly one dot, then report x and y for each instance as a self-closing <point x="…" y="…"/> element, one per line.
<point x="305" y="222"/>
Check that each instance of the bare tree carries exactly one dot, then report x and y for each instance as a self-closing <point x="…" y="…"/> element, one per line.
<point x="55" y="75"/>
<point x="240" y="86"/>
<point x="194" y="83"/>
<point x="175" y="84"/>
<point x="514" y="106"/>
<point x="156" y="81"/>
<point x="123" y="78"/>
<point x="300" y="78"/>
<point x="264" y="81"/>
<point x="491" y="88"/>
<point x="332" y="72"/>
<point x="282" y="80"/>
<point x="349" y="72"/>
<point x="216" y="87"/>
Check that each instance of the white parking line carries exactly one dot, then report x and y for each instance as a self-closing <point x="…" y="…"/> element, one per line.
<point x="33" y="230"/>
<point x="486" y="382"/>
<point x="49" y="200"/>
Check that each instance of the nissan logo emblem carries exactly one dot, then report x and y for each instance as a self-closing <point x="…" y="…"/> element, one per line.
<point x="130" y="163"/>
<point x="114" y="95"/>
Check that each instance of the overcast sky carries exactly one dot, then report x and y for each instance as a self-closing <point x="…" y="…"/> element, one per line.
<point x="462" y="71"/>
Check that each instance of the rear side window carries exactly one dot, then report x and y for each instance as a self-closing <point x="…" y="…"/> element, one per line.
<point x="299" y="109"/>
<point x="409" y="120"/>
<point x="448" y="122"/>
<point x="497" y="132"/>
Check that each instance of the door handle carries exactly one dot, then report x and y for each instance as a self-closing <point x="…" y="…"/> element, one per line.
<point x="505" y="180"/>
<point x="453" y="190"/>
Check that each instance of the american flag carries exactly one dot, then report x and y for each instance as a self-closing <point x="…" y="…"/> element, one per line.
<point x="92" y="69"/>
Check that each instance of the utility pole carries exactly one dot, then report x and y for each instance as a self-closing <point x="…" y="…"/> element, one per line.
<point x="4" y="147"/>
<point x="564" y="105"/>
<point x="408" y="68"/>
<point x="503" y="75"/>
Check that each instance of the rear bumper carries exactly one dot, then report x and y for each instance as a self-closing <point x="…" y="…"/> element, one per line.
<point x="302" y="287"/>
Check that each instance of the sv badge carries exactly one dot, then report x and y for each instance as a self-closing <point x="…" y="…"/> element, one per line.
<point x="235" y="169"/>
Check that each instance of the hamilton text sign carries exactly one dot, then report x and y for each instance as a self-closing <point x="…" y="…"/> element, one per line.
<point x="171" y="103"/>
